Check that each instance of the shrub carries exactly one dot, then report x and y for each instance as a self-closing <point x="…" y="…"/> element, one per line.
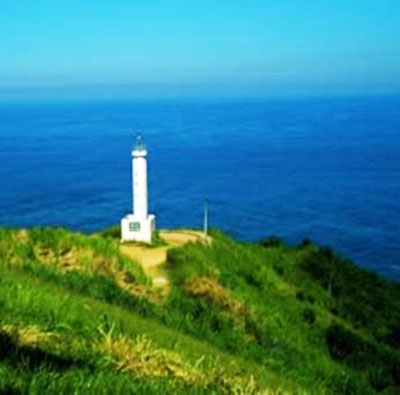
<point x="303" y="297"/>
<point x="308" y="316"/>
<point x="380" y="366"/>
<point x="113" y="232"/>
<point x="278" y="269"/>
<point x="306" y="242"/>
<point x="271" y="241"/>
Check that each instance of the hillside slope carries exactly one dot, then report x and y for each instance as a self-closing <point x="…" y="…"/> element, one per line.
<point x="78" y="315"/>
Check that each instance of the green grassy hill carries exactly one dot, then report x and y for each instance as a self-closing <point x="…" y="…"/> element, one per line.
<point x="76" y="316"/>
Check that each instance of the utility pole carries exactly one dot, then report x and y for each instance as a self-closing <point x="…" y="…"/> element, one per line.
<point x="205" y="218"/>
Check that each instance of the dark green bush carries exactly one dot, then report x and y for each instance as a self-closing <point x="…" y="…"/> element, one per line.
<point x="306" y="242"/>
<point x="363" y="298"/>
<point x="308" y="316"/>
<point x="278" y="269"/>
<point x="113" y="232"/>
<point x="345" y="345"/>
<point x="271" y="241"/>
<point x="303" y="297"/>
<point x="379" y="365"/>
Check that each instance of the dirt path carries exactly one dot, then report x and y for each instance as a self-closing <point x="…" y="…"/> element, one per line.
<point x="153" y="258"/>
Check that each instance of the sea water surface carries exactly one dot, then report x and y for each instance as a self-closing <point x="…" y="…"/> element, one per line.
<point x="327" y="169"/>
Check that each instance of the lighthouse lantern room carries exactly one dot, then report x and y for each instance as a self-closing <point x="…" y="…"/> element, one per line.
<point x="138" y="226"/>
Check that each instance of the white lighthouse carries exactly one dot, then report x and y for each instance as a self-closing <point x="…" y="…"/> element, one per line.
<point x="138" y="226"/>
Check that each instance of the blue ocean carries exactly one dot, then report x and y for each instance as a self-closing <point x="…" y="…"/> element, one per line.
<point x="327" y="169"/>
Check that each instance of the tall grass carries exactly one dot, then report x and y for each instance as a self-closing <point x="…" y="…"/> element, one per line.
<point x="280" y="313"/>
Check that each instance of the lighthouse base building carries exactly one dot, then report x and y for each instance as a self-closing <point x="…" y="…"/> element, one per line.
<point x="136" y="229"/>
<point x="140" y="225"/>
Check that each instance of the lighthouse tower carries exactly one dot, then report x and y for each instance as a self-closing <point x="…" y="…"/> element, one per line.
<point x="138" y="226"/>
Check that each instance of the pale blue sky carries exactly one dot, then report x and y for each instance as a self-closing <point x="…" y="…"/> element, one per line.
<point x="238" y="45"/>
